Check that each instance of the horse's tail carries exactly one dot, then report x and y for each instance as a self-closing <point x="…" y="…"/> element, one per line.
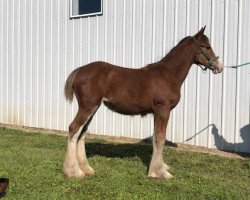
<point x="69" y="86"/>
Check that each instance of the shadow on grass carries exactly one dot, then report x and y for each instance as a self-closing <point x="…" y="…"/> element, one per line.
<point x="241" y="148"/>
<point x="143" y="150"/>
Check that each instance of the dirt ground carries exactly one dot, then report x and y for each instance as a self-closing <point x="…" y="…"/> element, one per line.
<point x="177" y="146"/>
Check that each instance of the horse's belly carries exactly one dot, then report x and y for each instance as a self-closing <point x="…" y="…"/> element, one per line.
<point x="128" y="108"/>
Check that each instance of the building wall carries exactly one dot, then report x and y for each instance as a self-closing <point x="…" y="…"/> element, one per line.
<point x="40" y="46"/>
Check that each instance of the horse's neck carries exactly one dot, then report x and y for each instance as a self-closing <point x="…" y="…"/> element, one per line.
<point x="179" y="60"/>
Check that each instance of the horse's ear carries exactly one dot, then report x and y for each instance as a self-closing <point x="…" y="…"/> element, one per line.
<point x="200" y="31"/>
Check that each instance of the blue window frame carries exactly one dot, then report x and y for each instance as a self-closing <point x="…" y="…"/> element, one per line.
<point x="83" y="8"/>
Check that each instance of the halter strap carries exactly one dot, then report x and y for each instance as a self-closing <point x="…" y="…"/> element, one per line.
<point x="210" y="60"/>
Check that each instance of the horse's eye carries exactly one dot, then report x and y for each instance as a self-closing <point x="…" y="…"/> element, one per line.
<point x="206" y="46"/>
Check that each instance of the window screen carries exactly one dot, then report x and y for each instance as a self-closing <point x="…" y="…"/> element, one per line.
<point x="81" y="8"/>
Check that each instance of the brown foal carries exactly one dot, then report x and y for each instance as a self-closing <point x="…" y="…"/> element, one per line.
<point x="154" y="88"/>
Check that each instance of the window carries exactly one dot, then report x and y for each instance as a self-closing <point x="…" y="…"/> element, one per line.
<point x="82" y="8"/>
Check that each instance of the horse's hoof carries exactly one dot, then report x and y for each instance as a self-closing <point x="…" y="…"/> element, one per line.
<point x="166" y="175"/>
<point x="87" y="170"/>
<point x="166" y="167"/>
<point x="74" y="172"/>
<point x="161" y="174"/>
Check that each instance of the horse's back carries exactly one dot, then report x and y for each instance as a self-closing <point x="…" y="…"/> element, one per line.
<point x="103" y="71"/>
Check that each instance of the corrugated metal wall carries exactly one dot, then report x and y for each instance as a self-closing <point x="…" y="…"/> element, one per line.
<point x="40" y="46"/>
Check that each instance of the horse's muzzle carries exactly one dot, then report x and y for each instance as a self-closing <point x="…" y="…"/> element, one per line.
<point x="218" y="67"/>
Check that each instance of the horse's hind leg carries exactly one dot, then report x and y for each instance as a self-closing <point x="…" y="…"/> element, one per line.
<point x="71" y="164"/>
<point x="81" y="151"/>
<point x="71" y="167"/>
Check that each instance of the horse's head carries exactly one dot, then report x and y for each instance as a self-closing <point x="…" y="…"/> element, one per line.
<point x="205" y="55"/>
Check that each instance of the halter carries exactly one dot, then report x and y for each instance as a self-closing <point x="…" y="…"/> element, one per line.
<point x="210" y="60"/>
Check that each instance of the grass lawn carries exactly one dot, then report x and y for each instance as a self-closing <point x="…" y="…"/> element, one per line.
<point x="34" y="161"/>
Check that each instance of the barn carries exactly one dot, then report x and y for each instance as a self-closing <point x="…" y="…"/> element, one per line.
<point x="42" y="41"/>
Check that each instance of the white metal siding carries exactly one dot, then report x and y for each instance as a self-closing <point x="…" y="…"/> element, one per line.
<point x="40" y="46"/>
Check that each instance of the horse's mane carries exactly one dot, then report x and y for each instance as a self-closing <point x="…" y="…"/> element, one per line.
<point x="174" y="49"/>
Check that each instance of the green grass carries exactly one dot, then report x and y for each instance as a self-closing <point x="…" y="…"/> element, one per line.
<point x="33" y="162"/>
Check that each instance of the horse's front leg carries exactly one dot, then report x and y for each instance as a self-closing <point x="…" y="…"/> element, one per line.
<point x="157" y="168"/>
